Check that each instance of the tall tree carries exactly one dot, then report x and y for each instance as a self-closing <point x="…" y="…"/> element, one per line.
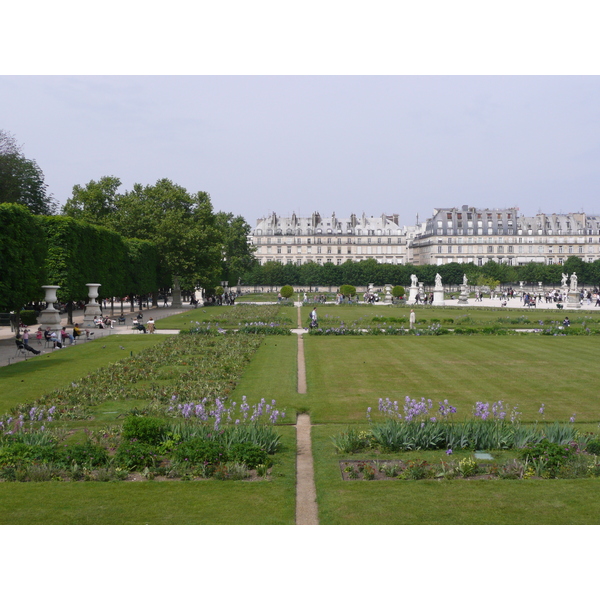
<point x="21" y="179"/>
<point x="238" y="254"/>
<point x="22" y="257"/>
<point x="181" y="225"/>
<point x="95" y="203"/>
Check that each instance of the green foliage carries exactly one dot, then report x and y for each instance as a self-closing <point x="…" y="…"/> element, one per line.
<point x="398" y="291"/>
<point x="238" y="254"/>
<point x="28" y="317"/>
<point x="198" y="451"/>
<point x="21" y="180"/>
<point x="88" y="454"/>
<point x="248" y="454"/>
<point x="548" y="457"/>
<point x="149" y="430"/>
<point x="593" y="446"/>
<point x="347" y="290"/>
<point x="287" y="291"/>
<point x="22" y="256"/>
<point x="134" y="455"/>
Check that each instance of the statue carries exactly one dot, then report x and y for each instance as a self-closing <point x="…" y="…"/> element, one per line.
<point x="438" y="280"/>
<point x="465" y="280"/>
<point x="563" y="282"/>
<point x="414" y="281"/>
<point x="574" y="281"/>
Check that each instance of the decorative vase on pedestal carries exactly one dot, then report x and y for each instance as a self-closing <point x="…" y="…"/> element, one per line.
<point x="49" y="317"/>
<point x="92" y="308"/>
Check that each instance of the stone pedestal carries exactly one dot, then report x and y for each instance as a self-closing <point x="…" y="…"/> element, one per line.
<point x="388" y="293"/>
<point x="176" y="293"/>
<point x="50" y="317"/>
<point x="464" y="297"/>
<point x="413" y="290"/>
<point x="573" y="300"/>
<point x="438" y="297"/>
<point x="92" y="308"/>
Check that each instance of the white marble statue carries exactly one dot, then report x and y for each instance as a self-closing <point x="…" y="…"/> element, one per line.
<point x="574" y="281"/>
<point x="438" y="280"/>
<point x="465" y="280"/>
<point x="414" y="281"/>
<point x="563" y="282"/>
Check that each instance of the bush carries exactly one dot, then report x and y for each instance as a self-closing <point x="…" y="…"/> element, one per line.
<point x="286" y="291"/>
<point x="144" y="429"/>
<point x="348" y="290"/>
<point x="86" y="454"/>
<point x="248" y="454"/>
<point x="197" y="451"/>
<point x="135" y="455"/>
<point x="593" y="446"/>
<point x="28" y="317"/>
<point x="398" y="291"/>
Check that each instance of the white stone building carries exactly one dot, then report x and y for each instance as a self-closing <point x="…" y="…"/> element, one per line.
<point x="477" y="236"/>
<point x="298" y="240"/>
<point x="462" y="235"/>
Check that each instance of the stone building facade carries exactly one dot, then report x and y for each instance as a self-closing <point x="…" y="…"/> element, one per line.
<point x="474" y="235"/>
<point x="462" y="235"/>
<point x="298" y="240"/>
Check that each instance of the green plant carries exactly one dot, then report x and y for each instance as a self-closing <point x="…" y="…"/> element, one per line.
<point x="467" y="467"/>
<point x="593" y="446"/>
<point x="398" y="291"/>
<point x="148" y="430"/>
<point x="287" y="291"/>
<point x="134" y="455"/>
<point x="548" y="457"/>
<point x="248" y="454"/>
<point x="198" y="451"/>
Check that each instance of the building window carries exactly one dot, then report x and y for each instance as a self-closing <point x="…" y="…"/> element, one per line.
<point x="490" y="250"/>
<point x="549" y="260"/>
<point x="580" y="249"/>
<point x="289" y="249"/>
<point x="278" y="249"/>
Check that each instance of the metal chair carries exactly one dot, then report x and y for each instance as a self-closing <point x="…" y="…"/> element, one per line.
<point x="20" y="351"/>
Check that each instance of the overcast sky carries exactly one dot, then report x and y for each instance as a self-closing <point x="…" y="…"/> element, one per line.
<point x="378" y="144"/>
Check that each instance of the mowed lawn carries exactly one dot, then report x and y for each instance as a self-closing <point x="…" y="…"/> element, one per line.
<point x="346" y="375"/>
<point x="455" y="502"/>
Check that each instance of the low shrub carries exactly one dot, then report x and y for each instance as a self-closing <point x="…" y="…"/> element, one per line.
<point x="148" y="430"/>
<point x="135" y="455"/>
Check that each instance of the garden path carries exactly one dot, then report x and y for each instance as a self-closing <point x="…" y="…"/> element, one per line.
<point x="306" y="493"/>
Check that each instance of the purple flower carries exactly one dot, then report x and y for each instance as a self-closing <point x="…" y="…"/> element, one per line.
<point x="541" y="411"/>
<point x="449" y="451"/>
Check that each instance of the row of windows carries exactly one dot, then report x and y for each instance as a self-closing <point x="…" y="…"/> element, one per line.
<point x="510" y="249"/>
<point x="338" y="241"/>
<point x="312" y="231"/>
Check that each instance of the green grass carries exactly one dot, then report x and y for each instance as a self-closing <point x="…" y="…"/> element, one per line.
<point x="158" y="502"/>
<point x="347" y="375"/>
<point x="455" y="502"/>
<point x="228" y="317"/>
<point x="28" y="380"/>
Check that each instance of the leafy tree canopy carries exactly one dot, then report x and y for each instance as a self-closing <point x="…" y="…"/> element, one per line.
<point x="21" y="179"/>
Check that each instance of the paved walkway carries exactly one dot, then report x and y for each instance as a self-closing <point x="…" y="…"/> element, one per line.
<point x="7" y="337"/>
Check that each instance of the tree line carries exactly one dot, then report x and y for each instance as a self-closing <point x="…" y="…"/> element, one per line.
<point x="132" y="243"/>
<point x="370" y="271"/>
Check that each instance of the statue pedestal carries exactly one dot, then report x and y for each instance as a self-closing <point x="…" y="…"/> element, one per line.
<point x="438" y="297"/>
<point x="176" y="294"/>
<point x="573" y="300"/>
<point x="49" y="317"/>
<point x="464" y="297"/>
<point x="413" y="290"/>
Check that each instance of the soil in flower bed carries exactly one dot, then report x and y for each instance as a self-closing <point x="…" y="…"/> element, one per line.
<point x="377" y="470"/>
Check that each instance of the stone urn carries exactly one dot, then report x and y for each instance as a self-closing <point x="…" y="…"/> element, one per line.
<point x="49" y="317"/>
<point x="92" y="308"/>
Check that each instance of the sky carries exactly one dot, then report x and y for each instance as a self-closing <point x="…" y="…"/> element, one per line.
<point x="343" y="144"/>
